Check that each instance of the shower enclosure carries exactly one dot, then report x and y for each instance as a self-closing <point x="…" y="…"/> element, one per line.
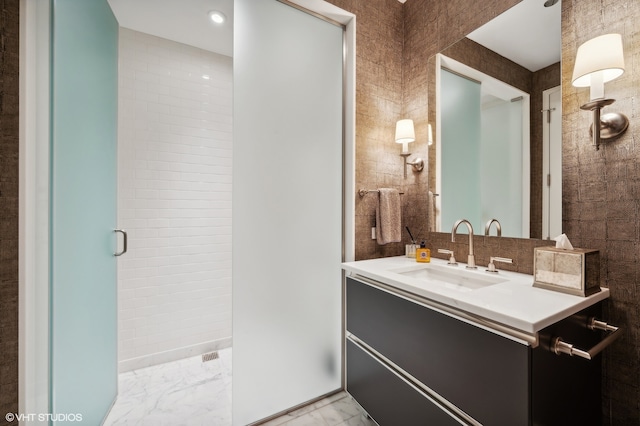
<point x="77" y="107"/>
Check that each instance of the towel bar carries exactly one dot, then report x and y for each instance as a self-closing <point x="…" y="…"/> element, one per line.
<point x="363" y="192"/>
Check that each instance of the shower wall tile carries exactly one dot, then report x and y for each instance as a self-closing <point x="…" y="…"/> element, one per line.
<point x="9" y="146"/>
<point x="174" y="200"/>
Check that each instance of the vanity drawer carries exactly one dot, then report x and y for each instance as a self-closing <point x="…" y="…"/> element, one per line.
<point x="483" y="374"/>
<point x="386" y="397"/>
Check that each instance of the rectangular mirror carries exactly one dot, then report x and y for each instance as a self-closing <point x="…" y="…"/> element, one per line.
<point x="516" y="179"/>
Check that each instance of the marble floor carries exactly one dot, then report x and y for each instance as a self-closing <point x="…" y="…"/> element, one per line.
<point x="190" y="392"/>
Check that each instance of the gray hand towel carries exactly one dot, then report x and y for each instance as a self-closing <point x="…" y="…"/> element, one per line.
<point x="388" y="216"/>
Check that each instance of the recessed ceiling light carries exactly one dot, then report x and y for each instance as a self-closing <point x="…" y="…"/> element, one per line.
<point x="217" y="16"/>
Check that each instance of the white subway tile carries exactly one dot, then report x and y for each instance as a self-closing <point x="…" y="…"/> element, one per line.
<point x="174" y="179"/>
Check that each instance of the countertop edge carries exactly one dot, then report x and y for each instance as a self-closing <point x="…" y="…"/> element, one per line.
<point x="567" y="304"/>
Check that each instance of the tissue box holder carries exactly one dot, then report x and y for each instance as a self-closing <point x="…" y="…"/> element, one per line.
<point x="568" y="271"/>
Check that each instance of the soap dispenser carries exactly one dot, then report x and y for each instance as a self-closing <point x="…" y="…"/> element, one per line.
<point x="423" y="254"/>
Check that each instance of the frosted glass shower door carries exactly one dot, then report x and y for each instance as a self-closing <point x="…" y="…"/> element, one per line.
<point x="83" y="211"/>
<point x="461" y="134"/>
<point x="287" y="208"/>
<point x="501" y="169"/>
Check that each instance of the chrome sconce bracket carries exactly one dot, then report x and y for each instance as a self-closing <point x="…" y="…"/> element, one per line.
<point x="417" y="165"/>
<point x="611" y="125"/>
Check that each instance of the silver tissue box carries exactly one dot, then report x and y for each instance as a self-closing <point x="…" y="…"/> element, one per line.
<point x="574" y="271"/>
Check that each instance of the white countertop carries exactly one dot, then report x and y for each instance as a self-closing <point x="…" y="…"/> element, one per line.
<point x="513" y="302"/>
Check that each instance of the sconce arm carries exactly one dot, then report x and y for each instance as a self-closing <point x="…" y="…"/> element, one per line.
<point x="608" y="125"/>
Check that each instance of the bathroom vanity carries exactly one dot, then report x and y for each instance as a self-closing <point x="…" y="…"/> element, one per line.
<point x="440" y="345"/>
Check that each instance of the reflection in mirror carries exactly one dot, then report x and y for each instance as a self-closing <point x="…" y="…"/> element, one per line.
<point x="484" y="149"/>
<point x="529" y="70"/>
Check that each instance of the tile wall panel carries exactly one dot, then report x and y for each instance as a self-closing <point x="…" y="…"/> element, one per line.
<point x="394" y="42"/>
<point x="9" y="67"/>
<point x="601" y="191"/>
<point x="379" y="29"/>
<point x="174" y="195"/>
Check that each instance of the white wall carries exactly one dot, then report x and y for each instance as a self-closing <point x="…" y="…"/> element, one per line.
<point x="174" y="196"/>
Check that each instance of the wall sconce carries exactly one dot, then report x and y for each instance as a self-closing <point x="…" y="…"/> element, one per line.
<point x="430" y="135"/>
<point x="598" y="61"/>
<point x="405" y="134"/>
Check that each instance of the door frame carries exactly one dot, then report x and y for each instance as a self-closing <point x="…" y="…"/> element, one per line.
<point x="553" y="169"/>
<point x="34" y="180"/>
<point x="33" y="267"/>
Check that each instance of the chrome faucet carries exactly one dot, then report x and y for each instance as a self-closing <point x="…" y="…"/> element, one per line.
<point x="471" y="259"/>
<point x="487" y="227"/>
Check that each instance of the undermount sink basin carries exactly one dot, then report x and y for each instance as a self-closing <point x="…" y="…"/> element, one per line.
<point x="451" y="277"/>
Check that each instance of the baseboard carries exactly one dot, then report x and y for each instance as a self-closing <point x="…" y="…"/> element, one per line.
<point x="173" y="355"/>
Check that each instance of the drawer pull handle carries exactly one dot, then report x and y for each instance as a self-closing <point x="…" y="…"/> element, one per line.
<point x="559" y="346"/>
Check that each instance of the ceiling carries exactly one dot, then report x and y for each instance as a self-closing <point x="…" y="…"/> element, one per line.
<point x="184" y="21"/>
<point x="528" y="33"/>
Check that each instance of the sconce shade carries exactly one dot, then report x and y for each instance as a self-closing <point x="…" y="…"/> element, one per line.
<point x="598" y="61"/>
<point x="601" y="57"/>
<point x="430" y="134"/>
<point x="405" y="132"/>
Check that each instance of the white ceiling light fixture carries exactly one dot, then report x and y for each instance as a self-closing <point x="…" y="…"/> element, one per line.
<point x="217" y="17"/>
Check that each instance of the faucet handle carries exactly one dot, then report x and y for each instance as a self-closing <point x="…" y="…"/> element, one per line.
<point x="452" y="259"/>
<point x="492" y="267"/>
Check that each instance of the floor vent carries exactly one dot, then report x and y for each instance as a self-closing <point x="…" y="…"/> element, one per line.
<point x="210" y="356"/>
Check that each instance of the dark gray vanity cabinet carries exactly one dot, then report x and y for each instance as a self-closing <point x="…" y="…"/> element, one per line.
<point x="388" y="398"/>
<point x="408" y="364"/>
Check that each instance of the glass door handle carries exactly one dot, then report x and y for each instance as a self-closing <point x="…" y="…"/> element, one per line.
<point x="124" y="248"/>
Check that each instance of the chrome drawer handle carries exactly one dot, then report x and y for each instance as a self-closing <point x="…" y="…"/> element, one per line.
<point x="559" y="346"/>
<point x="124" y="248"/>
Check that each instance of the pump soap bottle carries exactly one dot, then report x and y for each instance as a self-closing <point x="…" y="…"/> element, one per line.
<point x="423" y="254"/>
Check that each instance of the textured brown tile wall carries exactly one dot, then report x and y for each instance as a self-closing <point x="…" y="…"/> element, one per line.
<point x="9" y="66"/>
<point x="601" y="191"/>
<point x="432" y="26"/>
<point x="378" y="106"/>
<point x="489" y="62"/>
<point x="518" y="249"/>
<point x="394" y="42"/>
